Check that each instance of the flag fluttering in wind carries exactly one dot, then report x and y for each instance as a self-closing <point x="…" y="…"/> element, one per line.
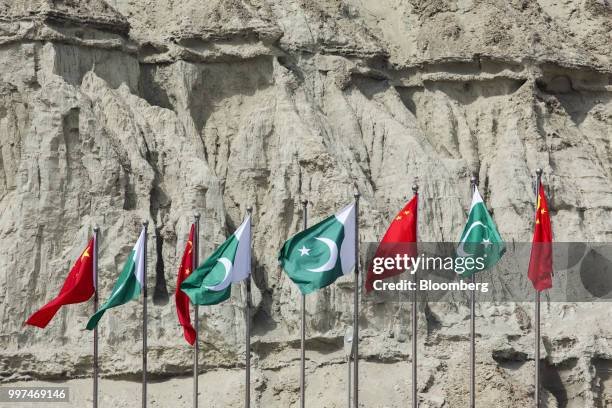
<point x="182" y="301"/>
<point x="540" y="262"/>
<point x="316" y="257"/>
<point x="480" y="239"/>
<point x="129" y="284"/>
<point x="211" y="282"/>
<point x="78" y="288"/>
<point x="401" y="233"/>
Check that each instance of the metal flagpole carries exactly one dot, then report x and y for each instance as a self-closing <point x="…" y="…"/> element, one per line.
<point x="303" y="343"/>
<point x="356" y="308"/>
<point x="350" y="373"/>
<point x="96" y="230"/>
<point x="145" y="225"/>
<point x="537" y="349"/>
<point x="415" y="190"/>
<point x="474" y="183"/>
<point x="195" y="248"/>
<point x="247" y="388"/>
<point x="537" y="309"/>
<point x="348" y="350"/>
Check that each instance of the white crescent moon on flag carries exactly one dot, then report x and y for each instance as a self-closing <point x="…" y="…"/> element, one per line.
<point x="333" y="257"/>
<point x="227" y="264"/>
<point x="460" y="251"/>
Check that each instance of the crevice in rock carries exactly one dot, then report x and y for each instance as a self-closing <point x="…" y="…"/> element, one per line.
<point x="70" y="132"/>
<point x="509" y="358"/>
<point x="407" y="95"/>
<point x="159" y="205"/>
<point x="150" y="49"/>
<point x="288" y="63"/>
<point x="469" y="90"/>
<point x="151" y="90"/>
<point x="129" y="191"/>
<point x="38" y="180"/>
<point x="603" y="382"/>
<point x="37" y="259"/>
<point x="160" y="293"/>
<point x="370" y="86"/>
<point x="323" y="345"/>
<point x="3" y="179"/>
<point x="263" y="322"/>
<point x="554" y="377"/>
<point x="433" y="323"/>
<point x="262" y="319"/>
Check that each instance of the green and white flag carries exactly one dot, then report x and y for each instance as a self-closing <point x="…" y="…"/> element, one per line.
<point x="480" y="244"/>
<point x="129" y="284"/>
<point x="316" y="257"/>
<point x="211" y="282"/>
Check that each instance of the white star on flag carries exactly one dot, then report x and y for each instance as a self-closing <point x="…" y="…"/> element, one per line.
<point x="304" y="251"/>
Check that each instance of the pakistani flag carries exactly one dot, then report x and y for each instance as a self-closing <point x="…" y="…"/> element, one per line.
<point x="128" y="285"/>
<point x="211" y="282"/>
<point x="479" y="239"/>
<point x="317" y="256"/>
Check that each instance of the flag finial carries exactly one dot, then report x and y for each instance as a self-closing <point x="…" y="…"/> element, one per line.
<point x="415" y="188"/>
<point x="96" y="229"/>
<point x="145" y="223"/>
<point x="539" y="172"/>
<point x="357" y="194"/>
<point x="196" y="216"/>
<point x="249" y="210"/>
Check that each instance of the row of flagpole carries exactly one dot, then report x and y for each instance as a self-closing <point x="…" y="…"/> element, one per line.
<point x="353" y="383"/>
<point x="472" y="398"/>
<point x="473" y="184"/>
<point x="195" y="258"/>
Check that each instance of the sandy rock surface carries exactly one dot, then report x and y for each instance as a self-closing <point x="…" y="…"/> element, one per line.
<point x="119" y="111"/>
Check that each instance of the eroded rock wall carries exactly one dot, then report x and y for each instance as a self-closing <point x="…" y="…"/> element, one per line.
<point x="216" y="107"/>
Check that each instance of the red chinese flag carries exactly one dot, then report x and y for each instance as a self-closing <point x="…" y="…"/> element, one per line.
<point x="402" y="231"/>
<point x="182" y="301"/>
<point x="540" y="263"/>
<point x="78" y="288"/>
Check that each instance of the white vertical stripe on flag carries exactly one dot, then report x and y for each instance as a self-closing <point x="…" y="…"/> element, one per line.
<point x="242" y="260"/>
<point x="346" y="216"/>
<point x="139" y="258"/>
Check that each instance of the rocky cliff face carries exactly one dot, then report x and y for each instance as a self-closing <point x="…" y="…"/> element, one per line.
<point x="215" y="106"/>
